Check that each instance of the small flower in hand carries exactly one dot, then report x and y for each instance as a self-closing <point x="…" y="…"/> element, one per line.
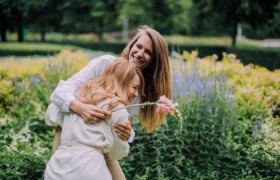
<point x="163" y="105"/>
<point x="166" y="105"/>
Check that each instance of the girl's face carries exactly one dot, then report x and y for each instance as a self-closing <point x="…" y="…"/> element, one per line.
<point x="133" y="88"/>
<point x="141" y="52"/>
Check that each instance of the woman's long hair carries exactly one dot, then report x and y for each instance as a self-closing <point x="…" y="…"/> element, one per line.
<point x="157" y="77"/>
<point x="112" y="83"/>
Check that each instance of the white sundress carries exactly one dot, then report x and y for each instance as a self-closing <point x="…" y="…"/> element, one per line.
<point x="83" y="145"/>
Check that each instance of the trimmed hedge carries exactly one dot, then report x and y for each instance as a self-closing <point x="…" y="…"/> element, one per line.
<point x="269" y="58"/>
<point x="31" y="48"/>
<point x="114" y="47"/>
<point x="202" y="50"/>
<point x="264" y="57"/>
<point x="10" y="52"/>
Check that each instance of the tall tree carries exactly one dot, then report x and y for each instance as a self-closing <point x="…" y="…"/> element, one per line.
<point x="85" y="16"/>
<point x="137" y="12"/>
<point x="271" y="29"/>
<point x="15" y="12"/>
<point x="3" y="24"/>
<point x="44" y="16"/>
<point x="251" y="12"/>
<point x="103" y="15"/>
<point x="166" y="16"/>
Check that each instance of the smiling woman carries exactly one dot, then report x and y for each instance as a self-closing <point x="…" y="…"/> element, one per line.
<point x="148" y="50"/>
<point x="141" y="53"/>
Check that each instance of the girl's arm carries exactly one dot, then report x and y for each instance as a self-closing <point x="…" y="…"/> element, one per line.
<point x="120" y="148"/>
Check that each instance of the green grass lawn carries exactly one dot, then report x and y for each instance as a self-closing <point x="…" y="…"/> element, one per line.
<point x="208" y="41"/>
<point x="176" y="39"/>
<point x="54" y="36"/>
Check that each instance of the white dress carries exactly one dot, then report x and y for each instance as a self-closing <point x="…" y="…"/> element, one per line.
<point x="81" y="153"/>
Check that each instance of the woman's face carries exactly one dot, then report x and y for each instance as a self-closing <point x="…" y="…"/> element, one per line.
<point x="141" y="52"/>
<point x="133" y="88"/>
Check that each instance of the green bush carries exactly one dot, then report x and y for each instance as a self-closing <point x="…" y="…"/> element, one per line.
<point x="14" y="166"/>
<point x="268" y="58"/>
<point x="25" y="140"/>
<point x="115" y="47"/>
<point x="264" y="57"/>
<point x="216" y="141"/>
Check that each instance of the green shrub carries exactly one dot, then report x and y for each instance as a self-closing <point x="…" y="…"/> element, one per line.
<point x="216" y="141"/>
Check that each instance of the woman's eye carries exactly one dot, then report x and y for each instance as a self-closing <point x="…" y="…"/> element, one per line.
<point x="149" y="53"/>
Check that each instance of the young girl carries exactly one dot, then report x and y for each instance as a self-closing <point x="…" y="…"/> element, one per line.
<point x="83" y="145"/>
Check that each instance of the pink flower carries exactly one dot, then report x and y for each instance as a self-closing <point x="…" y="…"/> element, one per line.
<point x="163" y="108"/>
<point x="165" y="105"/>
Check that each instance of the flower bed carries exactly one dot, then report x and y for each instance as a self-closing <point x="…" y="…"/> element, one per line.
<point x="230" y="114"/>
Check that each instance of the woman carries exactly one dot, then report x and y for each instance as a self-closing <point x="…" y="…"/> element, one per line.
<point x="148" y="50"/>
<point x="80" y="155"/>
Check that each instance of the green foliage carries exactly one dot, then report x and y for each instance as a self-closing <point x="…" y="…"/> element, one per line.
<point x="216" y="141"/>
<point x="190" y="17"/>
<point x="268" y="58"/>
<point x="14" y="166"/>
<point x="225" y="17"/>
<point x="171" y="13"/>
<point x="25" y="140"/>
<point x="269" y="30"/>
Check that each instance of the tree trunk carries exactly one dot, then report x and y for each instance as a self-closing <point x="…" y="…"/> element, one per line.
<point x="3" y="37"/>
<point x="43" y="34"/>
<point x="100" y="32"/>
<point x="234" y="33"/>
<point x="20" y="30"/>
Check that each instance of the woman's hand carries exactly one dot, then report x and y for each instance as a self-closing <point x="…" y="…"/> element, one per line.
<point x="123" y="130"/>
<point x="88" y="112"/>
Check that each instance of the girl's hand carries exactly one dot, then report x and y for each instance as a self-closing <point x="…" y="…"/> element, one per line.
<point x="88" y="112"/>
<point x="123" y="130"/>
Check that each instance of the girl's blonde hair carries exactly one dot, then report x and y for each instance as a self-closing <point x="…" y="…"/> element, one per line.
<point x="112" y="83"/>
<point x="157" y="77"/>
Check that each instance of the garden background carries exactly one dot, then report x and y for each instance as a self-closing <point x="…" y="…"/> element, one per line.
<point x="225" y="78"/>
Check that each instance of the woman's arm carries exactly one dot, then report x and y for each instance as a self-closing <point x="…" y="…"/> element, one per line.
<point x="64" y="93"/>
<point x="90" y="113"/>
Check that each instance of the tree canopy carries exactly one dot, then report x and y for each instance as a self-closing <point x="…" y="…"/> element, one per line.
<point x="187" y="17"/>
